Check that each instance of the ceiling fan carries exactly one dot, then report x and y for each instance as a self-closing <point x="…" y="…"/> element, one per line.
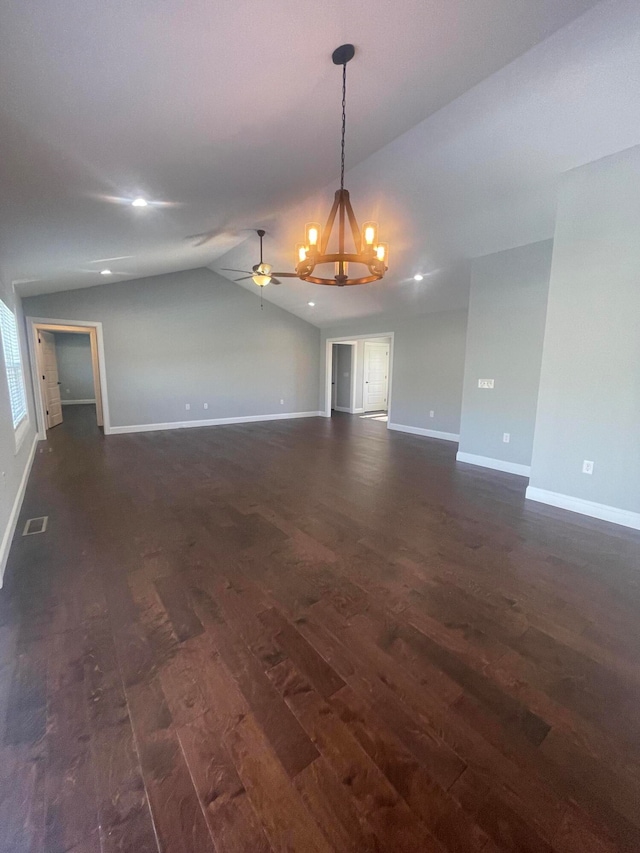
<point x="261" y="272"/>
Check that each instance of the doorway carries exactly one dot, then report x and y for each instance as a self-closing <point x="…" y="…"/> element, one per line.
<point x="343" y="376"/>
<point x="67" y="368"/>
<point x="347" y="360"/>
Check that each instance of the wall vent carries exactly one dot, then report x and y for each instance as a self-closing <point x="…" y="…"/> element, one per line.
<point x="35" y="525"/>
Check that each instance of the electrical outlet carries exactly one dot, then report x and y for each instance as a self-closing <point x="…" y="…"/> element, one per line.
<point x="282" y="402"/>
<point x="506" y="437"/>
<point x="587" y="467"/>
<point x="432" y="414"/>
<point x="206" y="405"/>
<point x="187" y="406"/>
<point x="486" y="383"/>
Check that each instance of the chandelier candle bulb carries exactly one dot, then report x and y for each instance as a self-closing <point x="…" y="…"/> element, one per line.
<point x="382" y="252"/>
<point x="369" y="234"/>
<point x="301" y="253"/>
<point x="313" y="235"/>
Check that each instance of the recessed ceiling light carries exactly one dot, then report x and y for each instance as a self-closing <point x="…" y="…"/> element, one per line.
<point x="418" y="277"/>
<point x="311" y="304"/>
<point x="105" y="272"/>
<point x="139" y="202"/>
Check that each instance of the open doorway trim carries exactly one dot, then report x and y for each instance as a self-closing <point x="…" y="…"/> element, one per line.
<point x="353" y="339"/>
<point x="52" y="324"/>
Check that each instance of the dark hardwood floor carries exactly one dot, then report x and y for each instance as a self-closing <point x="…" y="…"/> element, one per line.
<point x="311" y="635"/>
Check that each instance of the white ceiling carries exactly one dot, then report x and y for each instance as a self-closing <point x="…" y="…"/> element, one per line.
<point x="228" y="112"/>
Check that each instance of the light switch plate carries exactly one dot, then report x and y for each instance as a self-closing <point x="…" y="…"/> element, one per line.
<point x="486" y="383"/>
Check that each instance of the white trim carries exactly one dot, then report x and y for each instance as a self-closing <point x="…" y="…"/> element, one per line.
<point x="32" y="324"/>
<point x="429" y="433"/>
<point x="76" y="402"/>
<point x="357" y="411"/>
<point x="353" y="339"/>
<point x="346" y="409"/>
<point x="7" y="539"/>
<point x="625" y="517"/>
<point x="494" y="464"/>
<point x="248" y="419"/>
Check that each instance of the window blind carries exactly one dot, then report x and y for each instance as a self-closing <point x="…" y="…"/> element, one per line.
<point x="13" y="365"/>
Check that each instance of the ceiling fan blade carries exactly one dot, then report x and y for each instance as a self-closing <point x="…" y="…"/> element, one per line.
<point x="244" y="278"/>
<point x="275" y="280"/>
<point x="229" y="269"/>
<point x="286" y="274"/>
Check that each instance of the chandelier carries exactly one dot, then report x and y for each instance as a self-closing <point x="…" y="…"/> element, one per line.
<point x="366" y="251"/>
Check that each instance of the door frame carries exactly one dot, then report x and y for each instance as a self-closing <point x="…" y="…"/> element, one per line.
<point x="353" y="340"/>
<point x="94" y="330"/>
<point x="364" y="370"/>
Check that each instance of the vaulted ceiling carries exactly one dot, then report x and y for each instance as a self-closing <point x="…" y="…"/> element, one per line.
<point x="227" y="115"/>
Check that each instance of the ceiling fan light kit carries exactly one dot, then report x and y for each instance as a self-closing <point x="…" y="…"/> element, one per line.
<point x="261" y="272"/>
<point x="367" y="251"/>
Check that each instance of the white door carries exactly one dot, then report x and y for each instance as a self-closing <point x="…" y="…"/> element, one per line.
<point x="50" y="383"/>
<point x="376" y="376"/>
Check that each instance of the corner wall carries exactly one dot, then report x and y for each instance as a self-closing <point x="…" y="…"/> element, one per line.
<point x="75" y="369"/>
<point x="193" y="337"/>
<point x="589" y="399"/>
<point x="507" y="310"/>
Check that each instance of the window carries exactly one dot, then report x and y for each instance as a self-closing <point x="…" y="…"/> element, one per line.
<point x="13" y="365"/>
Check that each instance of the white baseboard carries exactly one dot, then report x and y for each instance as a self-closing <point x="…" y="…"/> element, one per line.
<point x="76" y="402"/>
<point x="494" y="464"/>
<point x="430" y="433"/>
<point x="606" y="513"/>
<point x="357" y="411"/>
<point x="118" y="430"/>
<point x="7" y="539"/>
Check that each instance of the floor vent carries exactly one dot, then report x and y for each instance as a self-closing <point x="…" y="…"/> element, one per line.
<point x="35" y="525"/>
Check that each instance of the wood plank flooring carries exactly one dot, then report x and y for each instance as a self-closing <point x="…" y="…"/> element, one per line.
<point x="313" y="635"/>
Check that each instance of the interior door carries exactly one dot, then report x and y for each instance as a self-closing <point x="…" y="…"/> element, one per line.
<point x="376" y="376"/>
<point x="50" y="383"/>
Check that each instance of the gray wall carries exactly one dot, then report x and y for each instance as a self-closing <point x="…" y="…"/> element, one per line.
<point x="589" y="399"/>
<point x="75" y="370"/>
<point x="194" y="337"/>
<point x="507" y="310"/>
<point x="12" y="464"/>
<point x="344" y="366"/>
<point x="428" y="366"/>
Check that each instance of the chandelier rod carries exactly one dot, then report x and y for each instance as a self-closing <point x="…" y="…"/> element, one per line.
<point x="344" y="121"/>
